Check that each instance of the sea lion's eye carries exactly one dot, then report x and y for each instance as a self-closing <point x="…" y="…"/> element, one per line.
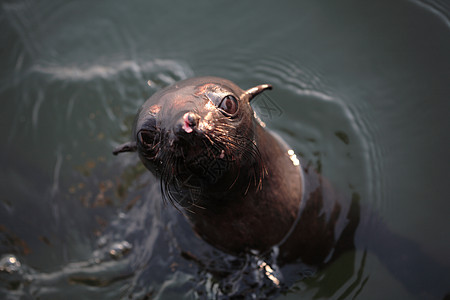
<point x="145" y="138"/>
<point x="229" y="105"/>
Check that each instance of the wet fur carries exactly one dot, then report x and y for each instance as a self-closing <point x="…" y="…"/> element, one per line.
<point x="264" y="202"/>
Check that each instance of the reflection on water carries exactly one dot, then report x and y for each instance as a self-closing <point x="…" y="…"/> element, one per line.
<point x="362" y="91"/>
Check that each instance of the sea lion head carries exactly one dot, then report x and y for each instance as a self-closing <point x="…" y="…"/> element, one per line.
<point x="198" y="136"/>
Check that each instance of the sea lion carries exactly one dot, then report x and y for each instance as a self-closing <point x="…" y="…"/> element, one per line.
<point x="241" y="187"/>
<point x="244" y="190"/>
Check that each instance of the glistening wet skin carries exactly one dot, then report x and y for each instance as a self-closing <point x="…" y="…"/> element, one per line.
<point x="250" y="197"/>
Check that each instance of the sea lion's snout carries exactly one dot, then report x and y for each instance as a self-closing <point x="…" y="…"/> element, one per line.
<point x="183" y="127"/>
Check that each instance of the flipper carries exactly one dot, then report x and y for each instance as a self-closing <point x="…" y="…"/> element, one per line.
<point x="127" y="147"/>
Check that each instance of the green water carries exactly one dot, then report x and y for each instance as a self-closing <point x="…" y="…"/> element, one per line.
<point x="362" y="91"/>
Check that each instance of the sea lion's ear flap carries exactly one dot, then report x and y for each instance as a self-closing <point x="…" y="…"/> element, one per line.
<point x="127" y="147"/>
<point x="254" y="91"/>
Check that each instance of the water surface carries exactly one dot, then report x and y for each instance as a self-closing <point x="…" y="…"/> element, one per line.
<point x="362" y="92"/>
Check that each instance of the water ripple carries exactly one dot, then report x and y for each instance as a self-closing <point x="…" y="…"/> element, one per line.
<point x="301" y="80"/>
<point x="75" y="73"/>
<point x="367" y="135"/>
<point x="441" y="9"/>
<point x="292" y="75"/>
<point x="36" y="108"/>
<point x="56" y="172"/>
<point x="21" y="17"/>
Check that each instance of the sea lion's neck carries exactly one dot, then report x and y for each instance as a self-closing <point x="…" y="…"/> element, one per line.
<point x="253" y="212"/>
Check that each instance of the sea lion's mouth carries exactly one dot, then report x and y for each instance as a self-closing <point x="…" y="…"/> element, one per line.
<point x="189" y="166"/>
<point x="198" y="156"/>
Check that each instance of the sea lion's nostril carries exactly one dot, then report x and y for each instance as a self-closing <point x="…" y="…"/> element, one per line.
<point x="190" y="121"/>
